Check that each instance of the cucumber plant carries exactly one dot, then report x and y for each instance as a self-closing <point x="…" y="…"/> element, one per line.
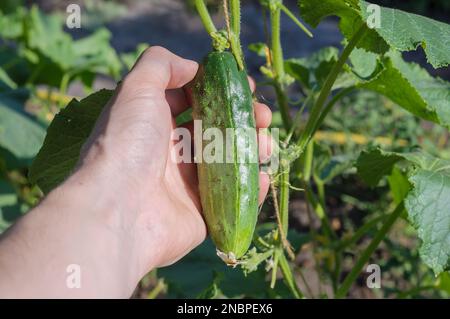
<point x="371" y="60"/>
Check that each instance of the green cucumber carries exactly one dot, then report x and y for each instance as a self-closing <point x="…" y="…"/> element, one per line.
<point x="221" y="98"/>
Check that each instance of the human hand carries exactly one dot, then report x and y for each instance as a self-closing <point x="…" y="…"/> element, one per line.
<point x="128" y="205"/>
<point x="133" y="139"/>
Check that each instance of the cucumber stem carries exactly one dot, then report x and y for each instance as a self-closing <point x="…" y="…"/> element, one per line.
<point x="277" y="61"/>
<point x="234" y="26"/>
<point x="205" y="16"/>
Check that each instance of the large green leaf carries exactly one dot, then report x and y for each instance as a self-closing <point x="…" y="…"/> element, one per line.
<point x="20" y="134"/>
<point x="411" y="87"/>
<point x="428" y="206"/>
<point x="399" y="30"/>
<point x="406" y="31"/>
<point x="65" y="136"/>
<point x="427" y="203"/>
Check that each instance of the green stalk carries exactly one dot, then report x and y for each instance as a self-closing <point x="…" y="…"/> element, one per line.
<point x="365" y="256"/>
<point x="289" y="277"/>
<point x="235" y="9"/>
<point x="316" y="111"/>
<point x="283" y="105"/>
<point x="284" y="198"/>
<point x="333" y="101"/>
<point x="276" y="258"/>
<point x="205" y="17"/>
<point x="235" y="30"/>
<point x="277" y="51"/>
<point x="296" y="21"/>
<point x="278" y="66"/>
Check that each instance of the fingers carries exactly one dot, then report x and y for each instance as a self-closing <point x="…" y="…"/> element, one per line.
<point x="177" y="100"/>
<point x="263" y="115"/>
<point x="264" y="184"/>
<point x="264" y="147"/>
<point x="252" y="83"/>
<point x="159" y="68"/>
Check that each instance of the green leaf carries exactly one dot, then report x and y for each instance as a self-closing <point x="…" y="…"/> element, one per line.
<point x="313" y="70"/>
<point x="313" y="11"/>
<point x="399" y="185"/>
<point x="259" y="48"/>
<point x="364" y="63"/>
<point x="94" y="54"/>
<point x="405" y="31"/>
<point x="398" y="29"/>
<point x="20" y="133"/>
<point x="65" y="136"/>
<point x="253" y="259"/>
<point x="428" y="209"/>
<point x="52" y="53"/>
<point x="4" y="77"/>
<point x="373" y="164"/>
<point x="11" y="26"/>
<point x="427" y="202"/>
<point x="411" y="87"/>
<point x="444" y="282"/>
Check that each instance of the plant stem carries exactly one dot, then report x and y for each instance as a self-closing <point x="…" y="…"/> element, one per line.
<point x="205" y="16"/>
<point x="283" y="105"/>
<point x="277" y="51"/>
<point x="235" y="8"/>
<point x="278" y="66"/>
<point x="289" y="277"/>
<point x="316" y="111"/>
<point x="365" y="256"/>
<point x="276" y="258"/>
<point x="296" y="21"/>
<point x="333" y="101"/>
<point x="284" y="198"/>
<point x="233" y="27"/>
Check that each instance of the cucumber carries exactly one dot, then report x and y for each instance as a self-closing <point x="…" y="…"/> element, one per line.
<point x="221" y="98"/>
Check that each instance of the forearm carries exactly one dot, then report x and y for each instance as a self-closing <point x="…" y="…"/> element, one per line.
<point x="74" y="228"/>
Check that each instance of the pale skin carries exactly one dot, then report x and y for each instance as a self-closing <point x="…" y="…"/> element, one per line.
<point x="127" y="208"/>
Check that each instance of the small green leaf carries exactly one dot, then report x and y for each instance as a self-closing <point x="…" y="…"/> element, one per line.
<point x="364" y="63"/>
<point x="65" y="136"/>
<point x="259" y="48"/>
<point x="253" y="259"/>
